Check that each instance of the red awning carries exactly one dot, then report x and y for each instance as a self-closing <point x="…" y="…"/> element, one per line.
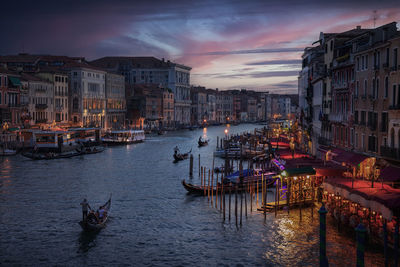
<point x="329" y="171"/>
<point x="390" y="174"/>
<point x="347" y="157"/>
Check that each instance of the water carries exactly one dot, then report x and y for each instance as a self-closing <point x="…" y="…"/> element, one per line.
<point x="153" y="221"/>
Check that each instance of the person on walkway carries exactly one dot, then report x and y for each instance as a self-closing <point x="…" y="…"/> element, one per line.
<point x="85" y="205"/>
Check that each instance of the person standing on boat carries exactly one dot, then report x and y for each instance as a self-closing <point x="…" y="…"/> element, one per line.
<point x="85" y="205"/>
<point x="176" y="150"/>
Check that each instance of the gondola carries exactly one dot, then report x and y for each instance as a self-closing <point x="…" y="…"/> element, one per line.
<point x="52" y="155"/>
<point x="203" y="190"/>
<point x="179" y="157"/>
<point x="92" y="223"/>
<point x="93" y="150"/>
<point x="202" y="143"/>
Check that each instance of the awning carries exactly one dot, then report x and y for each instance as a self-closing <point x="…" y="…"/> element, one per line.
<point x="308" y="170"/>
<point x="383" y="199"/>
<point x="329" y="171"/>
<point x="348" y="157"/>
<point x="15" y="81"/>
<point x="390" y="174"/>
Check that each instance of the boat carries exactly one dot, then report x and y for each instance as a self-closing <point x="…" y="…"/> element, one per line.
<point x="8" y="152"/>
<point x="202" y="142"/>
<point x="92" y="223"/>
<point x="51" y="155"/>
<point x="203" y="190"/>
<point x="161" y="132"/>
<point x="93" y="149"/>
<point x="179" y="157"/>
<point x="222" y="169"/>
<point x="122" y="137"/>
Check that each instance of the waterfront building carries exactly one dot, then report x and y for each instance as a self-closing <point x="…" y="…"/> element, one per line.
<point x="168" y="109"/>
<point x="145" y="104"/>
<point x="115" y="101"/>
<point x="390" y="77"/>
<point x="199" y="104"/>
<point x="227" y="107"/>
<point x="150" y="70"/>
<point x="59" y="79"/>
<point x="211" y="106"/>
<point x="87" y="97"/>
<point x="252" y="109"/>
<point x="372" y="93"/>
<point x="41" y="99"/>
<point x="10" y="92"/>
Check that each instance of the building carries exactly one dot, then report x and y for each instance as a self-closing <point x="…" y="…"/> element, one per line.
<point x="375" y="75"/>
<point x="199" y="112"/>
<point x="59" y="80"/>
<point x="145" y="104"/>
<point x="211" y="106"/>
<point x="252" y="111"/>
<point x="115" y="101"/>
<point x="150" y="70"/>
<point x="168" y="109"/>
<point x="41" y="100"/>
<point x="87" y="101"/>
<point x="10" y="92"/>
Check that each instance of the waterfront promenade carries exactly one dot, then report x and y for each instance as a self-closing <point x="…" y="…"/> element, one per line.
<point x="153" y="221"/>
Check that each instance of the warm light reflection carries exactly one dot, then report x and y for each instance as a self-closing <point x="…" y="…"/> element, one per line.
<point x="226" y="131"/>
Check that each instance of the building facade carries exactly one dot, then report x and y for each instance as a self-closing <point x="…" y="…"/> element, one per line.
<point x="115" y="101"/>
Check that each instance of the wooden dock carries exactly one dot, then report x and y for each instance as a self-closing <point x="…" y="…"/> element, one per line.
<point x="270" y="206"/>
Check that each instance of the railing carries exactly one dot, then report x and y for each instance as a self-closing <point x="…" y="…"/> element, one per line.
<point x="390" y="152"/>
<point x="13" y="105"/>
<point x="336" y="117"/>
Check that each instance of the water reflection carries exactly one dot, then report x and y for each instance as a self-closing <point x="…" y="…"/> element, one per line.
<point x="87" y="240"/>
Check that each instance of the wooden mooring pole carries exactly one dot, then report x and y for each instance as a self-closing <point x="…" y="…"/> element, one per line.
<point x="191" y="166"/>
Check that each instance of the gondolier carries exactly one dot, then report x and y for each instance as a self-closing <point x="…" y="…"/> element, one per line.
<point x="85" y="205"/>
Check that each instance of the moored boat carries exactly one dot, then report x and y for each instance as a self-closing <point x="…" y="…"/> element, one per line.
<point x="8" y="152"/>
<point x="122" y="137"/>
<point x="202" y="142"/>
<point x="51" y="155"/>
<point x="94" y="224"/>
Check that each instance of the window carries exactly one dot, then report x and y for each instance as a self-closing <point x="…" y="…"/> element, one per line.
<point x="351" y="136"/>
<point x="366" y="62"/>
<point x="75" y="73"/>
<point x="394" y="95"/>
<point x="377" y="89"/>
<point x="1" y="78"/>
<point x="356" y="117"/>
<point x="0" y="98"/>
<point x="365" y="87"/>
<point x="362" y="142"/>
<point x="373" y="88"/>
<point x="331" y="45"/>
<point x="362" y="63"/>
<point x="356" y="141"/>
<point x="358" y="64"/>
<point x="387" y="56"/>
<point x="386" y="86"/>
<point x="357" y="87"/>
<point x="395" y="58"/>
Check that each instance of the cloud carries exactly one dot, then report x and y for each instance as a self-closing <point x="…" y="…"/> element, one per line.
<point x="276" y="62"/>
<point x="252" y="51"/>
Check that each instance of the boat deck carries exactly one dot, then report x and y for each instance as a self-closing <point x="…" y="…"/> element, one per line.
<point x="282" y="204"/>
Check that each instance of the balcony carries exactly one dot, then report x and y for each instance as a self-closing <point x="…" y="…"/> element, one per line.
<point x="388" y="152"/>
<point x="13" y="105"/>
<point x="376" y="67"/>
<point x="393" y="68"/>
<point x="41" y="106"/>
<point x="336" y="117"/>
<point x="59" y="108"/>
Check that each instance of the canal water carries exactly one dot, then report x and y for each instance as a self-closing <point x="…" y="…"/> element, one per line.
<point x="153" y="221"/>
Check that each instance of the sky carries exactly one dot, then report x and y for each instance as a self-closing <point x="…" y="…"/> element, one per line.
<point x="234" y="44"/>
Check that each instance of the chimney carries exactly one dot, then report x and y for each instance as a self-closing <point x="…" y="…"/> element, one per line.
<point x="358" y="27"/>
